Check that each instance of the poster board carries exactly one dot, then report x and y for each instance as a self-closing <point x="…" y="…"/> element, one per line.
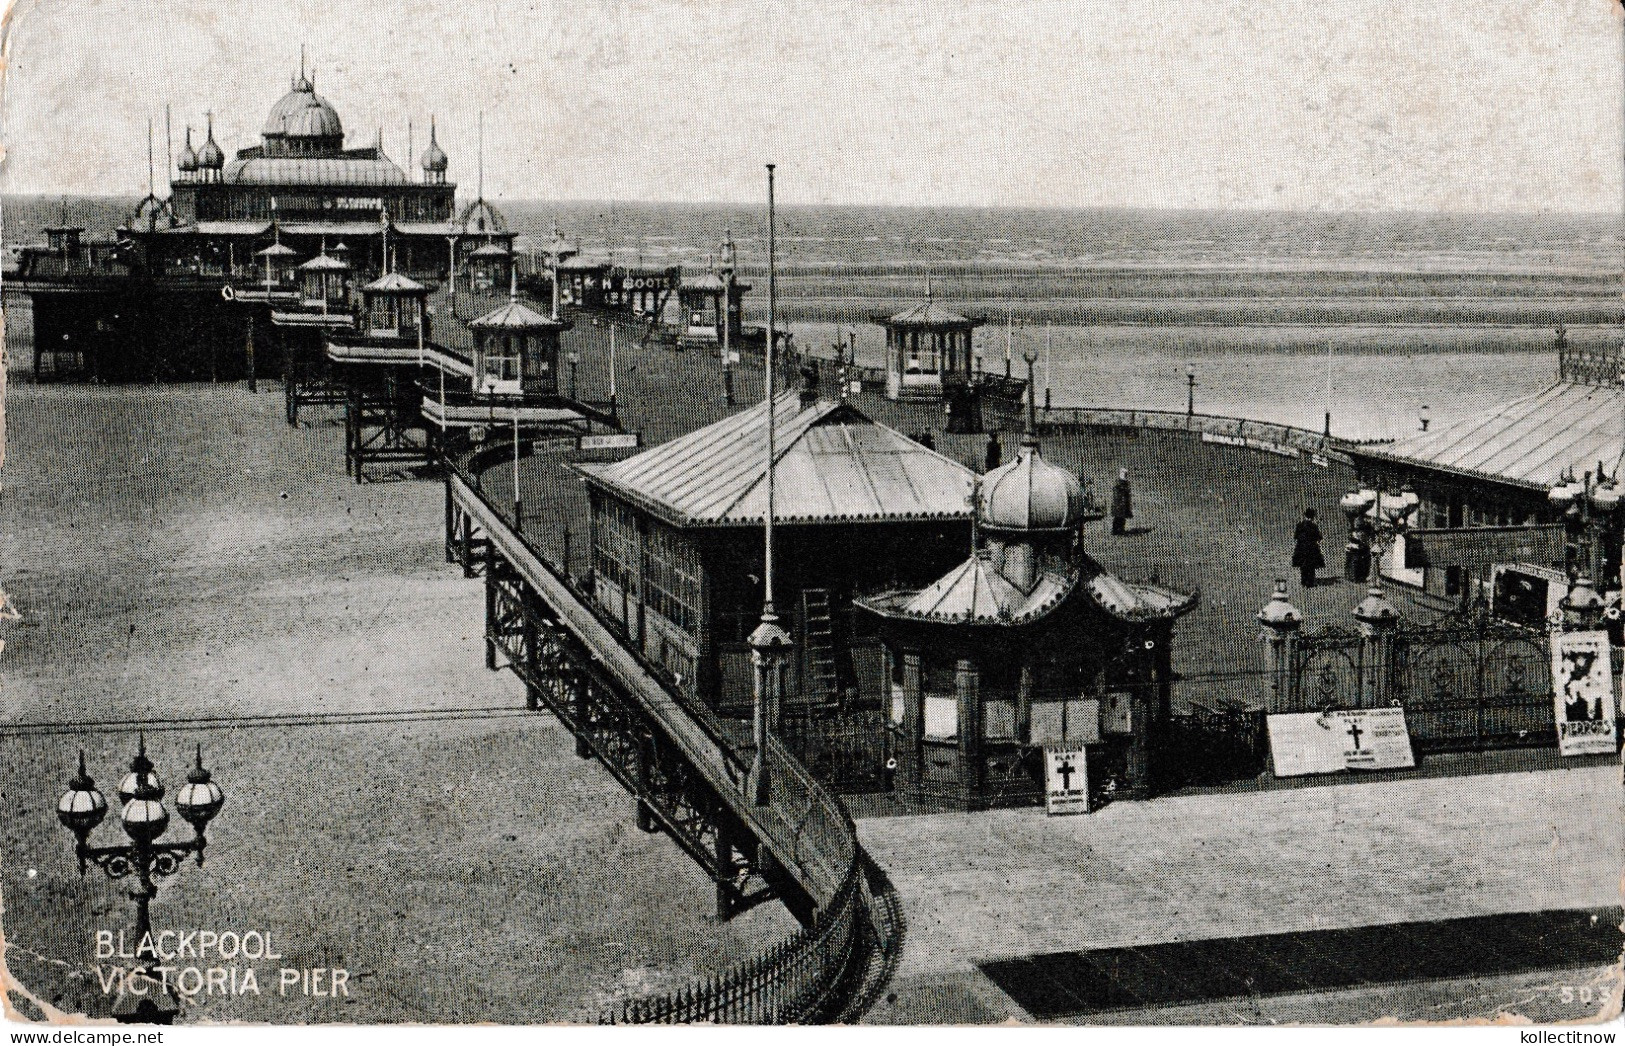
<point x="1583" y="690"/>
<point x="1303" y="743"/>
<point x="1066" y="780"/>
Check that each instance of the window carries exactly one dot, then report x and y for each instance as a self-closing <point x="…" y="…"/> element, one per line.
<point x="615" y="548"/>
<point x="673" y="578"/>
<point x="499" y="368"/>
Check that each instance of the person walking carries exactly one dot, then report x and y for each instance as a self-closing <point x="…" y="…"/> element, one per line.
<point x="1122" y="503"/>
<point x="1306" y="548"/>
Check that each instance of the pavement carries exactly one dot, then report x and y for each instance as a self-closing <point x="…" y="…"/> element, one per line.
<point x="988" y="887"/>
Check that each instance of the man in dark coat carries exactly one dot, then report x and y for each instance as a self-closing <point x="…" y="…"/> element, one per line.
<point x="1122" y="503"/>
<point x="995" y="452"/>
<point x="1306" y="548"/>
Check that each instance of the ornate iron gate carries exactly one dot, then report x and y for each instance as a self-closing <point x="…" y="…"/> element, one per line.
<point x="1471" y="685"/>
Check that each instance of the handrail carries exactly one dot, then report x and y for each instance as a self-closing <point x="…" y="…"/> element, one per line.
<point x="804" y="827"/>
<point x="1060" y="418"/>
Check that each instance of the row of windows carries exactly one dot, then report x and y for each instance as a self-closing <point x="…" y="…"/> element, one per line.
<point x="615" y="544"/>
<point x="674" y="579"/>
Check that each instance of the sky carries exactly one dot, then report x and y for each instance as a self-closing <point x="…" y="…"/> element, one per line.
<point x="1500" y="105"/>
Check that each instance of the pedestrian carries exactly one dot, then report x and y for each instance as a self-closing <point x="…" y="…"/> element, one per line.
<point x="995" y="453"/>
<point x="1122" y="503"/>
<point x="1306" y="548"/>
<point x="926" y="440"/>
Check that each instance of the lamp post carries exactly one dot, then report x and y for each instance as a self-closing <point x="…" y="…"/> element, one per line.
<point x="146" y="856"/>
<point x="1589" y="506"/>
<point x="1190" y="390"/>
<point x="573" y="358"/>
<point x="1376" y="518"/>
<point x="769" y="643"/>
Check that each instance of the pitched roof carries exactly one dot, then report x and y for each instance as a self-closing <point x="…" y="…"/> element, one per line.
<point x="326" y="263"/>
<point x="1529" y="442"/>
<point x="394" y="281"/>
<point x="929" y="313"/>
<point x="515" y="315"/>
<point x="834" y="465"/>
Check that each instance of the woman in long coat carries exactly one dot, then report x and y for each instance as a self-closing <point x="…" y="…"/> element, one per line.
<point x="1306" y="548"/>
<point x="1122" y="503"/>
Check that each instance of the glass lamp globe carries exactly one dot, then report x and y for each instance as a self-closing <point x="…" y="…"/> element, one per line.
<point x="141" y="778"/>
<point x="82" y="806"/>
<point x="1562" y="494"/>
<point x="144" y="818"/>
<point x="1605" y="498"/>
<point x="199" y="799"/>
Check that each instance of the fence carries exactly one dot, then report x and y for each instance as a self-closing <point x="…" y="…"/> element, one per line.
<point x="805" y="977"/>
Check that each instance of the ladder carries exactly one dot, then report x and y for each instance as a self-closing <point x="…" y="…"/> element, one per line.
<point x="819" y="640"/>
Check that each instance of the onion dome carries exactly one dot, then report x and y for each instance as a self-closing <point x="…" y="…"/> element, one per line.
<point x="1031" y="494"/>
<point x="434" y="157"/>
<point x="188" y="161"/>
<point x="211" y="157"/>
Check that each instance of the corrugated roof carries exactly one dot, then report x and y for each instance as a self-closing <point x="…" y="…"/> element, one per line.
<point x="834" y="464"/>
<point x="445" y="228"/>
<point x="313" y="170"/>
<point x="1530" y="442"/>
<point x="220" y="228"/>
<point x="490" y="250"/>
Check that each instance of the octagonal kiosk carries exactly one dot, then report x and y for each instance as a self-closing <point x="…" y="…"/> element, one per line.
<point x="507" y="376"/>
<point x="489" y="268"/>
<point x="376" y="365"/>
<point x="300" y="331"/>
<point x="928" y="348"/>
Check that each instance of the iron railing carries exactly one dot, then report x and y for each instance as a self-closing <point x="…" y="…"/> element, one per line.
<point x="802" y="978"/>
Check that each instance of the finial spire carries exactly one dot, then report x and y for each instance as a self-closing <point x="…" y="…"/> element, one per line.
<point x="513" y="283"/>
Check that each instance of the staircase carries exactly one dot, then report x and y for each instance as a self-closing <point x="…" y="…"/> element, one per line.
<point x="819" y="627"/>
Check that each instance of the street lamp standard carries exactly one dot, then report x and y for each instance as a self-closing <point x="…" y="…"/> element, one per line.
<point x="146" y="856"/>
<point x="1377" y="518"/>
<point x="1589" y="505"/>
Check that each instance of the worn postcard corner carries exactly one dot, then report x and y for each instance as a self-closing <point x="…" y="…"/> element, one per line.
<point x="1068" y="514"/>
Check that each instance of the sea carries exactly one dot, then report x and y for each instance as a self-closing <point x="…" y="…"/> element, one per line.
<point x="1379" y="319"/>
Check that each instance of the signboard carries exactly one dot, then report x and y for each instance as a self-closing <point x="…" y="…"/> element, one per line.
<point x="1265" y="445"/>
<point x="1583" y="687"/>
<point x="1324" y="743"/>
<point x="1525" y="594"/>
<point x="1477" y="546"/>
<point x="1066" y="781"/>
<point x="609" y="441"/>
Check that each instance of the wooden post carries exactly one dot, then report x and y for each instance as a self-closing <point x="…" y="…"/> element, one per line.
<point x="908" y="763"/>
<point x="968" y="698"/>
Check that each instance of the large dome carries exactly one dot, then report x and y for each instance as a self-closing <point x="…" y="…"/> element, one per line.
<point x="302" y="113"/>
<point x="1031" y="494"/>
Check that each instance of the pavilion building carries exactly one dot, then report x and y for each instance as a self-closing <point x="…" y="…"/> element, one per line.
<point x="1525" y="494"/>
<point x="677" y="536"/>
<point x="300" y="184"/>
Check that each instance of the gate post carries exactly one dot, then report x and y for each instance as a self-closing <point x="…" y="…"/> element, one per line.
<point x="1378" y="620"/>
<point x="1281" y="622"/>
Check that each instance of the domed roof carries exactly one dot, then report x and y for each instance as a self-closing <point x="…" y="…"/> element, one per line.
<point x="1031" y="494"/>
<point x="302" y="113"/>
<point x="188" y="161"/>
<point x="434" y="157"/>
